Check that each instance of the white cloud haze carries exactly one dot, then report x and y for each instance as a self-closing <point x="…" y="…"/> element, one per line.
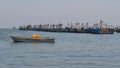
<point x="23" y="12"/>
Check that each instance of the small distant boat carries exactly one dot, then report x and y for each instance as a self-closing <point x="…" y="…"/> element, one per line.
<point x="118" y="30"/>
<point x="99" y="31"/>
<point x="32" y="39"/>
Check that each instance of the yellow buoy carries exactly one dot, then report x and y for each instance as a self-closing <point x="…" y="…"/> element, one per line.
<point x="36" y="36"/>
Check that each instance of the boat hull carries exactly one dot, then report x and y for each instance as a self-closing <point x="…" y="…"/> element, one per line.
<point x="98" y="31"/>
<point x="29" y="39"/>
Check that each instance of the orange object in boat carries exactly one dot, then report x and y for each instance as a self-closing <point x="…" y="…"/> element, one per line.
<point x="36" y="36"/>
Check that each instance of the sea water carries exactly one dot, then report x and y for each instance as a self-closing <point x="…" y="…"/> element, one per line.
<point x="70" y="50"/>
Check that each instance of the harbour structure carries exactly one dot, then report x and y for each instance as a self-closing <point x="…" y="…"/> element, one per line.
<point x="97" y="28"/>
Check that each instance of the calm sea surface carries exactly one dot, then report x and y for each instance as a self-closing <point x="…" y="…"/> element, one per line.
<point x="70" y="50"/>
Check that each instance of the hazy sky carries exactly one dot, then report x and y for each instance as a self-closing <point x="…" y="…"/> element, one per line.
<point x="22" y="12"/>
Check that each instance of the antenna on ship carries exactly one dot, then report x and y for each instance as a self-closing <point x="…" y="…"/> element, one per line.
<point x="101" y="23"/>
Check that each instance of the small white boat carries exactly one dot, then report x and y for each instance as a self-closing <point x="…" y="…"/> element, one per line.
<point x="31" y="39"/>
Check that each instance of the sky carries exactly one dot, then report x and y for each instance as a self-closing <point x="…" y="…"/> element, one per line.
<point x="23" y="12"/>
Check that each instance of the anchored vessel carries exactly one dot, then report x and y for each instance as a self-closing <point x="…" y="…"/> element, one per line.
<point x="101" y="31"/>
<point x="34" y="38"/>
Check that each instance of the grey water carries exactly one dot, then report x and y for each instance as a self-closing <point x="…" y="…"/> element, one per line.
<point x="70" y="50"/>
